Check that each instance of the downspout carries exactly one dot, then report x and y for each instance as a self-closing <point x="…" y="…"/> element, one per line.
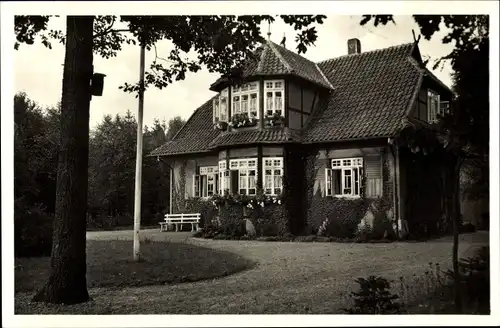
<point x="171" y="190"/>
<point x="395" y="184"/>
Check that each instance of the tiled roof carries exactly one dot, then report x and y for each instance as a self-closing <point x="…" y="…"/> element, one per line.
<point x="255" y="136"/>
<point x="194" y="136"/>
<point x="277" y="60"/>
<point x="373" y="92"/>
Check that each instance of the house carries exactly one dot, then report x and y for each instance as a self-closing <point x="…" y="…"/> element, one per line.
<point x="337" y="118"/>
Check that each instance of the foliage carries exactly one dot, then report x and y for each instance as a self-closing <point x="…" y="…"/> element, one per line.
<point x="36" y="145"/>
<point x="374" y="297"/>
<point x="275" y="120"/>
<point x="111" y="167"/>
<point x="220" y="125"/>
<point x="32" y="230"/>
<point x="336" y="217"/>
<point x="222" y="43"/>
<point x="202" y="206"/>
<point x="241" y="120"/>
<point x="175" y="124"/>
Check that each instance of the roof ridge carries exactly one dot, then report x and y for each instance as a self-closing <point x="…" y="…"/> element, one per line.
<point x="280" y="57"/>
<point x="261" y="60"/>
<point x="367" y="52"/>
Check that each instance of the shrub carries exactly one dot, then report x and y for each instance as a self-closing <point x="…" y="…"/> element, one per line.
<point x="343" y="221"/>
<point x="467" y="228"/>
<point x="234" y="230"/>
<point x="373" y="297"/>
<point x="208" y="231"/>
<point x="204" y="207"/>
<point x="32" y="230"/>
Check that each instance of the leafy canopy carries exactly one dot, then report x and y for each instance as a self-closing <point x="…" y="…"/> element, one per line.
<point x="222" y="44"/>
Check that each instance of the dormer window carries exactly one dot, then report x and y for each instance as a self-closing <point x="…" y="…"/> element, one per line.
<point x="275" y="95"/>
<point x="220" y="106"/>
<point x="245" y="99"/>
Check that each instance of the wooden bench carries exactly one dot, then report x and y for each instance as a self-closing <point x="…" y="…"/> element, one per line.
<point x="177" y="219"/>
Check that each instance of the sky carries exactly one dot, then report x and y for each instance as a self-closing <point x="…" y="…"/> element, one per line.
<point x="38" y="70"/>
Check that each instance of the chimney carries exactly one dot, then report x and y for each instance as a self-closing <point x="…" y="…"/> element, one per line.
<point x="353" y="46"/>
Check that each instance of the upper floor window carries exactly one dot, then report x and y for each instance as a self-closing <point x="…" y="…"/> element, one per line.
<point x="246" y="99"/>
<point x="274" y="97"/>
<point x="343" y="178"/>
<point x="220" y="106"/>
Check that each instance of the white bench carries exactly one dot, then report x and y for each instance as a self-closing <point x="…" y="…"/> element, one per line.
<point x="177" y="219"/>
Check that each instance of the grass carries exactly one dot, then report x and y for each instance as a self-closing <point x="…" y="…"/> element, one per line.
<point x="110" y="264"/>
<point x="290" y="278"/>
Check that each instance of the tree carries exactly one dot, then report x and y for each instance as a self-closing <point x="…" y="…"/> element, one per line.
<point x="174" y="126"/>
<point x="222" y="43"/>
<point x="35" y="158"/>
<point x="463" y="133"/>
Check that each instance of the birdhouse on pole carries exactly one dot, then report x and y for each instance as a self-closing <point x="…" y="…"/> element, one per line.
<point x="97" y="84"/>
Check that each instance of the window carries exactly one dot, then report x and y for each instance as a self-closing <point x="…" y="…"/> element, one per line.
<point x="244" y="173"/>
<point x="220" y="106"/>
<point x="274" y="97"/>
<point x="273" y="175"/>
<point x="344" y="177"/>
<point x="205" y="184"/>
<point x="432" y="106"/>
<point x="245" y="99"/>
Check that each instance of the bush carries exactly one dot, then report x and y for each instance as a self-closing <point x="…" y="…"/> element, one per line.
<point x="32" y="230"/>
<point x="373" y="297"/>
<point x="467" y="228"/>
<point x="234" y="230"/>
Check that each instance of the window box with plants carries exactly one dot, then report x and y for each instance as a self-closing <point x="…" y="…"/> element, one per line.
<point x="220" y="125"/>
<point x="276" y="119"/>
<point x="242" y="120"/>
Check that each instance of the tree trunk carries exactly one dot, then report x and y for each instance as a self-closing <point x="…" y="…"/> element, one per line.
<point x="455" y="211"/>
<point x="67" y="281"/>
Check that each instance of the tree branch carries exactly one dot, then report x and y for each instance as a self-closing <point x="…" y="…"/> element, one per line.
<point x="110" y="30"/>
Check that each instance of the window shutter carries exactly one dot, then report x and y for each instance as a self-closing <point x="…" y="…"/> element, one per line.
<point x="234" y="179"/>
<point x="373" y="171"/>
<point x="196" y="186"/>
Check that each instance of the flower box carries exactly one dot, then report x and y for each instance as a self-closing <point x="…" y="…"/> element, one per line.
<point x="242" y="120"/>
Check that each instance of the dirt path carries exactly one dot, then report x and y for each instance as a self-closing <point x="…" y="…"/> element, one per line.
<point x="289" y="277"/>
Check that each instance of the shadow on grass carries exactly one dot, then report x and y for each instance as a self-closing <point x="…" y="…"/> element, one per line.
<point x="110" y="264"/>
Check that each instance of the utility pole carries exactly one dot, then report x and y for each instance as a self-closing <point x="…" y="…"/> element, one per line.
<point x="138" y="162"/>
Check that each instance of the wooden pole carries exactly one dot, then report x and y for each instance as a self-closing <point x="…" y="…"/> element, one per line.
<point x="138" y="163"/>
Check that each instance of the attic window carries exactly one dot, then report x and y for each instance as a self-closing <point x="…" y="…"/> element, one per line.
<point x="220" y="106"/>
<point x="245" y="99"/>
<point x="274" y="97"/>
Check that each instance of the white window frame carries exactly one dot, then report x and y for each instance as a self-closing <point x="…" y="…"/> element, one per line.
<point x="220" y="113"/>
<point x="201" y="190"/>
<point x="224" y="178"/>
<point x="433" y="105"/>
<point x="247" y="165"/>
<point x="272" y="164"/>
<point x="245" y="90"/>
<point x="273" y="87"/>
<point x="345" y="165"/>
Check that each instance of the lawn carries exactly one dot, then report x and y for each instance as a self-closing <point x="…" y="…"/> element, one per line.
<point x="289" y="277"/>
<point x="109" y="264"/>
